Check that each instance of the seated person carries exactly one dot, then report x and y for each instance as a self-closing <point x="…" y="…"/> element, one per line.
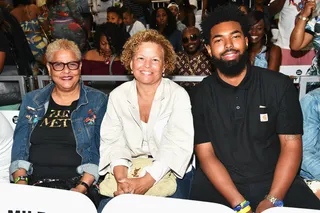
<point x="310" y="169"/>
<point x="56" y="140"/>
<point x="132" y="24"/>
<point x="148" y="117"/>
<point x="248" y="126"/>
<point x="174" y="8"/>
<point x="114" y="15"/>
<point x="262" y="52"/>
<point x="13" y="43"/>
<point x="6" y="135"/>
<point x="165" y="23"/>
<point x="105" y="60"/>
<point x="33" y="24"/>
<point x="194" y="60"/>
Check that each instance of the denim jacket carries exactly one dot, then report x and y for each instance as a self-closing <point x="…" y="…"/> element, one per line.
<point x="85" y="120"/>
<point x="310" y="167"/>
<point x="261" y="58"/>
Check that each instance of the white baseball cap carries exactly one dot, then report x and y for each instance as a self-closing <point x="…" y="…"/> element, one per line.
<point x="173" y="4"/>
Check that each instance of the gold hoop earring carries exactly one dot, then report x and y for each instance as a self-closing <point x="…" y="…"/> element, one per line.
<point x="266" y="42"/>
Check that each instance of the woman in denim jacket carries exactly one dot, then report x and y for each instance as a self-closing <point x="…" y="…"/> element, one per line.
<point x="57" y="138"/>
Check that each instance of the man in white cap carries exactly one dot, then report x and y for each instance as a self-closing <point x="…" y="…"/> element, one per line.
<point x="174" y="8"/>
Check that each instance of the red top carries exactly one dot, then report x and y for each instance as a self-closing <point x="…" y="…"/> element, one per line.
<point x="101" y="68"/>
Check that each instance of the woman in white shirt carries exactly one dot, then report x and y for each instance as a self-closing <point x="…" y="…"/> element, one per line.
<point x="148" y="117"/>
<point x="132" y="24"/>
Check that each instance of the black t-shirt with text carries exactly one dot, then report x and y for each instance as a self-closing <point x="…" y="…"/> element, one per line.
<point x="53" y="145"/>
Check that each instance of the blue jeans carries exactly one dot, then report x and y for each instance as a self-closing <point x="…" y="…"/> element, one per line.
<point x="182" y="192"/>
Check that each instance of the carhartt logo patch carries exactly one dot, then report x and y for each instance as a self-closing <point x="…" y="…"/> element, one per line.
<point x="264" y="117"/>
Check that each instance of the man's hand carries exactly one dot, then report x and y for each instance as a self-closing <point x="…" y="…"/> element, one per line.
<point x="264" y="205"/>
<point x="137" y="185"/>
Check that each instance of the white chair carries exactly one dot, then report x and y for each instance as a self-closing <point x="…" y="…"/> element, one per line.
<point x="143" y="203"/>
<point x="24" y="198"/>
<point x="290" y="210"/>
<point x="296" y="71"/>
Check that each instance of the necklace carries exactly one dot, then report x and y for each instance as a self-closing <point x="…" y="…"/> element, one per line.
<point x="106" y="57"/>
<point x="193" y="69"/>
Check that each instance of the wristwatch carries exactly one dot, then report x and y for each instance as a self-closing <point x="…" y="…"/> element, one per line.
<point x="275" y="201"/>
<point x="303" y="18"/>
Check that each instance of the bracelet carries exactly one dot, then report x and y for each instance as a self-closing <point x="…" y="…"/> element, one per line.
<point x="303" y="18"/>
<point x="241" y="206"/>
<point x="245" y="210"/>
<point x="21" y="178"/>
<point x="85" y="185"/>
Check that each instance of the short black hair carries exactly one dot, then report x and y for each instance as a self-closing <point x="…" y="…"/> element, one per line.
<point x="115" y="10"/>
<point x="114" y="35"/>
<point x="224" y="13"/>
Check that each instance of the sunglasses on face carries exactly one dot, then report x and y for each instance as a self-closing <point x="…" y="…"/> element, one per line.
<point x="59" y="66"/>
<point x="193" y="37"/>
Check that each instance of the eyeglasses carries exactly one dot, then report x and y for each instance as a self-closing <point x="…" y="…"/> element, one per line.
<point x="59" y="66"/>
<point x="193" y="37"/>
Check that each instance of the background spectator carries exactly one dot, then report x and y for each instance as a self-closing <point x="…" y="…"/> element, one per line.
<point x="165" y="23"/>
<point x="186" y="14"/>
<point x="105" y="59"/>
<point x="138" y="9"/>
<point x="174" y="8"/>
<point x="306" y="31"/>
<point x="262" y="52"/>
<point x="66" y="22"/>
<point x="34" y="25"/>
<point x="132" y="24"/>
<point x="194" y="59"/>
<point x="288" y="11"/>
<point x="114" y="15"/>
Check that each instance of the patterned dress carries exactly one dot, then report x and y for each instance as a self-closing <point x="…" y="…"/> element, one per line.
<point x="196" y="65"/>
<point x="66" y="22"/>
<point x="313" y="27"/>
<point x="34" y="37"/>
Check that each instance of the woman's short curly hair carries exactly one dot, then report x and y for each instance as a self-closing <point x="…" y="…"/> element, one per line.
<point x="153" y="36"/>
<point x="62" y="44"/>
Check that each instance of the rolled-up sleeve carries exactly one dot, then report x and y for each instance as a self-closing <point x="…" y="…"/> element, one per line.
<point x="20" y="164"/>
<point x="89" y="168"/>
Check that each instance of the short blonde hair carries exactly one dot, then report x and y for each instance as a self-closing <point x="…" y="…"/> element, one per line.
<point x="153" y="36"/>
<point x="62" y="44"/>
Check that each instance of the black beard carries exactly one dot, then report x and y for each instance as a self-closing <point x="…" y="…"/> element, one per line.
<point x="231" y="68"/>
<point x="193" y="52"/>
